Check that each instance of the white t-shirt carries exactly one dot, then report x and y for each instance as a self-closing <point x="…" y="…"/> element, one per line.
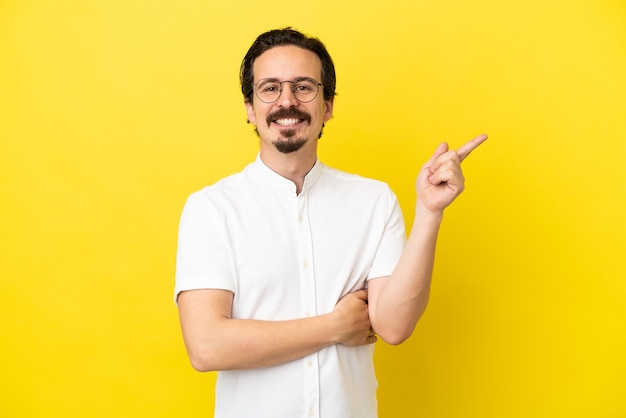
<point x="288" y="256"/>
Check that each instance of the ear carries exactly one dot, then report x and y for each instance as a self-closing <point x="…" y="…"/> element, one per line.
<point x="250" y="111"/>
<point x="328" y="113"/>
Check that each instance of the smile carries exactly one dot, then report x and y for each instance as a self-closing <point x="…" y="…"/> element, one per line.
<point x="288" y="118"/>
<point x="288" y="121"/>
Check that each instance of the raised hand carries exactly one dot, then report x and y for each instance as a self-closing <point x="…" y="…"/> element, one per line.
<point x="441" y="179"/>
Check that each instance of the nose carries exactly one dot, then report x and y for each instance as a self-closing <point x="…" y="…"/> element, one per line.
<point x="287" y="98"/>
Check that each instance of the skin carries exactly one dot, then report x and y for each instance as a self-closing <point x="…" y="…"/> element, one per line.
<point x="390" y="307"/>
<point x="398" y="301"/>
<point x="287" y="63"/>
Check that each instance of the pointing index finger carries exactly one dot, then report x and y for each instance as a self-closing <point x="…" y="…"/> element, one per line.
<point x="467" y="148"/>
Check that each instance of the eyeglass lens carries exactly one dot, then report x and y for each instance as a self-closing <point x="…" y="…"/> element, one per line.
<point x="305" y="89"/>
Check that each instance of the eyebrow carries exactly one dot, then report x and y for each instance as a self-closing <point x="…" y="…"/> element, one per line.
<point x="295" y="79"/>
<point x="268" y="79"/>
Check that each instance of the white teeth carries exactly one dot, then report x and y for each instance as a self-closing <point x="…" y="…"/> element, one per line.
<point x="287" y="122"/>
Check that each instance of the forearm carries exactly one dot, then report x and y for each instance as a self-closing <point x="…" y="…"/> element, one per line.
<point x="398" y="301"/>
<point x="215" y="341"/>
<point x="247" y="344"/>
<point x="401" y="298"/>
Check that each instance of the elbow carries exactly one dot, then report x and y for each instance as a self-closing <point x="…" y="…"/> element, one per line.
<point x="201" y="365"/>
<point x="396" y="331"/>
<point x="205" y="361"/>
<point x="395" y="337"/>
<point x="396" y="328"/>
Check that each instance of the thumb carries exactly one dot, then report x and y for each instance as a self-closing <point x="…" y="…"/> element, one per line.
<point x="441" y="149"/>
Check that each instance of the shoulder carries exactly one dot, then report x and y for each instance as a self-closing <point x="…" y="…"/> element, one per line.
<point x="354" y="181"/>
<point x="232" y="184"/>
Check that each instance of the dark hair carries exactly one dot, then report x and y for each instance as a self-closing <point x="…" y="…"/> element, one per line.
<point x="287" y="36"/>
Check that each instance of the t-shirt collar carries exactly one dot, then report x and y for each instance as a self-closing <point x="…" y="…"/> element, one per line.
<point x="277" y="180"/>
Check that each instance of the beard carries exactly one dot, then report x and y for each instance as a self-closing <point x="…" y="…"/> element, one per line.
<point x="288" y="142"/>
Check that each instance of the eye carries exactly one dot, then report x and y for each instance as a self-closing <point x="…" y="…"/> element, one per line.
<point x="305" y="86"/>
<point x="270" y="88"/>
<point x="267" y="85"/>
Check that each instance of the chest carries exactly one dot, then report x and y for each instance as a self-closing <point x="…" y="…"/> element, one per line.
<point x="294" y="256"/>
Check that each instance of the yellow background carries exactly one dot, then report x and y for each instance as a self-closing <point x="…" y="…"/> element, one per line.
<point x="112" y="112"/>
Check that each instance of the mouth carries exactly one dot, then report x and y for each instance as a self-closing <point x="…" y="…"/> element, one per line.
<point x="288" y="122"/>
<point x="288" y="118"/>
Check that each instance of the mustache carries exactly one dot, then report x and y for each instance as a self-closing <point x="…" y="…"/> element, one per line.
<point x="288" y="113"/>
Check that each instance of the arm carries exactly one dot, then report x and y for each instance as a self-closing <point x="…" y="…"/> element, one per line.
<point x="398" y="301"/>
<point x="215" y="341"/>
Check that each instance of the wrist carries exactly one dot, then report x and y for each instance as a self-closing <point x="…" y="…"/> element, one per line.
<point x="329" y="326"/>
<point x="422" y="212"/>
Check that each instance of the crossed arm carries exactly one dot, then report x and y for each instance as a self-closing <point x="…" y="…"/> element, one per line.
<point x="215" y="341"/>
<point x="391" y="307"/>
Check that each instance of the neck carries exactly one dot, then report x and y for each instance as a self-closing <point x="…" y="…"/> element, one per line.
<point x="293" y="166"/>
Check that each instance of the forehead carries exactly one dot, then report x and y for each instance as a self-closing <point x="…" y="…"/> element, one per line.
<point x="287" y="62"/>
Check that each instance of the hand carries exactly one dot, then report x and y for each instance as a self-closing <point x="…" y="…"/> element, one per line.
<point x="352" y="319"/>
<point x="441" y="180"/>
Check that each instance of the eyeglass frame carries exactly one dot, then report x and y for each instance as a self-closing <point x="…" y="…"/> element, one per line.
<point x="280" y="83"/>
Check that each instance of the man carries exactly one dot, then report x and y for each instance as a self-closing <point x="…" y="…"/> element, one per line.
<point x="288" y="271"/>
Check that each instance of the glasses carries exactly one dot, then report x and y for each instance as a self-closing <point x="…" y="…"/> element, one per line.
<point x="304" y="89"/>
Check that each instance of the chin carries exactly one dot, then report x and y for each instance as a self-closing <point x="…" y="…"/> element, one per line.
<point x="289" y="146"/>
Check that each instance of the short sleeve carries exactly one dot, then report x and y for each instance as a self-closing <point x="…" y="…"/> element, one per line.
<point x="203" y="258"/>
<point x="392" y="240"/>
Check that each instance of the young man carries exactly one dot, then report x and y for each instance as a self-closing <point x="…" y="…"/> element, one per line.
<point x="289" y="270"/>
